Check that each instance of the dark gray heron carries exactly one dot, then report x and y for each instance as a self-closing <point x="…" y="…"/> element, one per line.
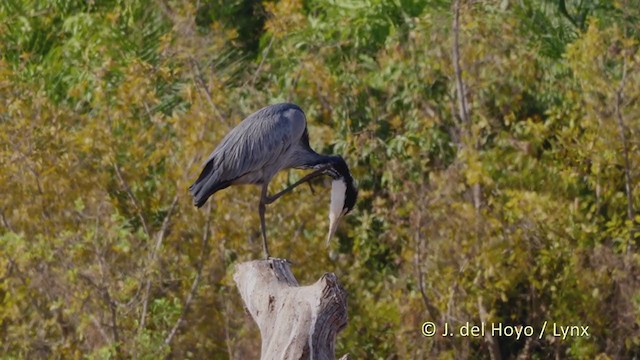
<point x="272" y="139"/>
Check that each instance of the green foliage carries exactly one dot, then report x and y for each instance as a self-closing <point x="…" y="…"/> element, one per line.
<point x="526" y="213"/>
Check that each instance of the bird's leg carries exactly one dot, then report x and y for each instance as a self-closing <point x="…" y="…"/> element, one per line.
<point x="315" y="174"/>
<point x="261" y="210"/>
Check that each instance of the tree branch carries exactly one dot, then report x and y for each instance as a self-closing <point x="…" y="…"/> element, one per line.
<point x="5" y="222"/>
<point x="152" y="258"/>
<point x="113" y="311"/>
<point x="197" y="74"/>
<point x="132" y="198"/>
<point x="196" y="280"/>
<point x="462" y="102"/>
<point x="265" y="53"/>
<point x="476" y="190"/>
<point x="494" y="350"/>
<point x="562" y="7"/>
<point x="622" y="128"/>
<point x="432" y="311"/>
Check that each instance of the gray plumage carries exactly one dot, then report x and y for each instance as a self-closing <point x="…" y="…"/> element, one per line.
<point x="271" y="139"/>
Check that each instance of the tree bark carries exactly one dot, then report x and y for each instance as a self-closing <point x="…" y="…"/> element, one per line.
<point x="295" y="322"/>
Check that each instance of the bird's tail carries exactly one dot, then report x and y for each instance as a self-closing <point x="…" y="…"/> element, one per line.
<point x="206" y="185"/>
<point x="198" y="196"/>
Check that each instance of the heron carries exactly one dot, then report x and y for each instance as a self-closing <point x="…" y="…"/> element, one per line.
<point x="272" y="139"/>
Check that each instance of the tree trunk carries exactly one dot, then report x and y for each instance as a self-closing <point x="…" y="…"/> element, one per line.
<point x="296" y="322"/>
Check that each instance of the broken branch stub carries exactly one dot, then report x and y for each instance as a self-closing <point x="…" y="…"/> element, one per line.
<point x="295" y="322"/>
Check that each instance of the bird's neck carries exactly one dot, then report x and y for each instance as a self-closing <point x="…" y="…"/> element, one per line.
<point x="309" y="159"/>
<point x="335" y="165"/>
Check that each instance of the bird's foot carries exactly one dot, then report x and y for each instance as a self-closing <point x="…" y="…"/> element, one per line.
<point x="271" y="259"/>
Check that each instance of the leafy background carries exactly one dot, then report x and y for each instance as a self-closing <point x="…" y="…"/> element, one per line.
<point x="500" y="184"/>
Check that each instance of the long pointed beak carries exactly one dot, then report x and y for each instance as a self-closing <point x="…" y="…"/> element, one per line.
<point x="333" y="226"/>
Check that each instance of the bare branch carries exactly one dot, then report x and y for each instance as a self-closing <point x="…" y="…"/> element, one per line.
<point x="103" y="290"/>
<point x="5" y="222"/>
<point x="164" y="228"/>
<point x="265" y="53"/>
<point x="152" y="259"/>
<point x="494" y="350"/>
<point x="462" y="102"/>
<point x="562" y="7"/>
<point x="100" y="328"/>
<point x="114" y="322"/>
<point x="463" y="109"/>
<point x="525" y="353"/>
<point x="160" y="235"/>
<point x="196" y="280"/>
<point x="197" y="74"/>
<point x="622" y="128"/>
<point x="432" y="311"/>
<point x="132" y="198"/>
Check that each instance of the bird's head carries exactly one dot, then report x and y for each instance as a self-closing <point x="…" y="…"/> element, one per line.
<point x="343" y="193"/>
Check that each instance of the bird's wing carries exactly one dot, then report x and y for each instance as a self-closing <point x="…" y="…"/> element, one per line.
<point x="258" y="145"/>
<point x="254" y="148"/>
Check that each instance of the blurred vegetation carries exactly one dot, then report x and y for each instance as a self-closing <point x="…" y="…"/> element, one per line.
<point x="516" y="202"/>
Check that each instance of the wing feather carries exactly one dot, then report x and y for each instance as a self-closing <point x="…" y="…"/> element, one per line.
<point x="252" y="152"/>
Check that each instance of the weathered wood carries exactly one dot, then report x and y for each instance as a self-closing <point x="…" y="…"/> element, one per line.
<point x="296" y="322"/>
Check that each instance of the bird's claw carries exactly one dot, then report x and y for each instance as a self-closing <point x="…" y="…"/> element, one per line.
<point x="271" y="259"/>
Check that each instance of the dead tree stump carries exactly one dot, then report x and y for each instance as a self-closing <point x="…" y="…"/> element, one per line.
<point x="296" y="322"/>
